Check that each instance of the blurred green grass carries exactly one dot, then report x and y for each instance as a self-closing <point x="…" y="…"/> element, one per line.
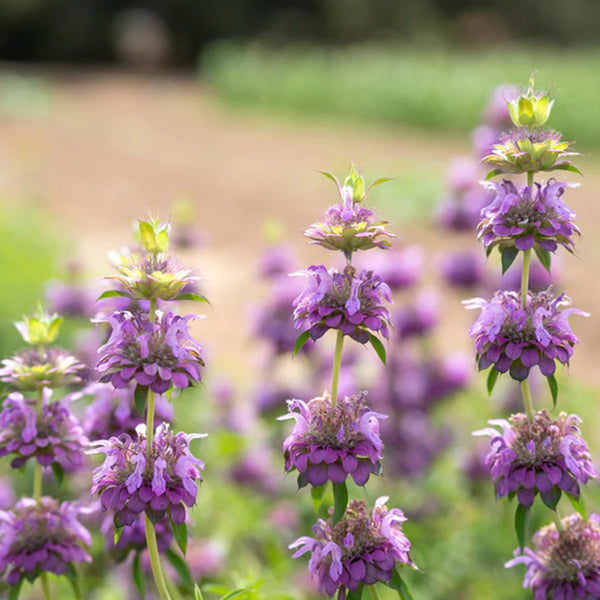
<point x="431" y="88"/>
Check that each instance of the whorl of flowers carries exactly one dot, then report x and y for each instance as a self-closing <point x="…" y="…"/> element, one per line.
<point x="528" y="217"/>
<point x="154" y="354"/>
<point x="331" y="441"/>
<point x="129" y="484"/>
<point x="349" y="302"/>
<point x="362" y="548"/>
<point x="52" y="435"/>
<point x="515" y="339"/>
<point x="40" y="537"/>
<point x="545" y="455"/>
<point x="35" y="368"/>
<point x="564" y="565"/>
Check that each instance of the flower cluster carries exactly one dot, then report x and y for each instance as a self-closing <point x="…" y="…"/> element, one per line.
<point x="52" y="435"/>
<point x="331" y="441"/>
<point x="545" y="455"/>
<point x="40" y="537"/>
<point x="515" y="339"/>
<point x="349" y="302"/>
<point x="564" y="565"/>
<point x="155" y="354"/>
<point x="529" y="217"/>
<point x="362" y="548"/>
<point x="129" y="482"/>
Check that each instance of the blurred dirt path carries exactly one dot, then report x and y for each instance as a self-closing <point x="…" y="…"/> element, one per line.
<point x="112" y="147"/>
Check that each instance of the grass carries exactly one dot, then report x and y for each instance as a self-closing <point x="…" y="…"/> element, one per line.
<point x="429" y="88"/>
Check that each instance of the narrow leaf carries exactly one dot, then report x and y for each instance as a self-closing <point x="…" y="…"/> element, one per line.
<point x="59" y="473"/>
<point x="578" y="504"/>
<point x="331" y="176"/>
<point x="357" y="593"/>
<point x="522" y="523"/>
<point x="491" y="380"/>
<point x="508" y="257"/>
<point x="192" y="296"/>
<point x="544" y="257"/>
<point x="198" y="593"/>
<point x="493" y="173"/>
<point x="141" y="397"/>
<point x="376" y="183"/>
<point x="566" y="167"/>
<point x="112" y="294"/>
<point x="302" y="481"/>
<point x="236" y="594"/>
<point x="398" y="584"/>
<point x="15" y="590"/>
<point x="340" y="498"/>
<point x="551" y="498"/>
<point x="317" y="492"/>
<point x="181" y="535"/>
<point x="553" y="384"/>
<point x="138" y="576"/>
<point x="118" y="530"/>
<point x="71" y="575"/>
<point x="181" y="567"/>
<point x="302" y="339"/>
<point x="378" y="347"/>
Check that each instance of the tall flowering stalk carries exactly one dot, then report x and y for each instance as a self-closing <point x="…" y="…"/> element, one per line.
<point x="535" y="454"/>
<point x="334" y="437"/>
<point x="153" y="474"/>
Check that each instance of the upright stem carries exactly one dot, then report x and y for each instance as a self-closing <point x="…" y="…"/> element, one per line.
<point x="525" y="277"/>
<point x="557" y="521"/>
<point x="337" y="362"/>
<point x="149" y="424"/>
<point x="374" y="592"/>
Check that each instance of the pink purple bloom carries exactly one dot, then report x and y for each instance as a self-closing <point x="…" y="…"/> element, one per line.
<point x="418" y="318"/>
<point x="546" y="456"/>
<point x="362" y="547"/>
<point x="528" y="217"/>
<point x="515" y="339"/>
<point x="563" y="565"/>
<point x="463" y="269"/>
<point x="37" y="538"/>
<point x="70" y="299"/>
<point x="349" y="302"/>
<point x="54" y="436"/>
<point x="156" y="355"/>
<point x="400" y="268"/>
<point x="331" y="441"/>
<point x="129" y="483"/>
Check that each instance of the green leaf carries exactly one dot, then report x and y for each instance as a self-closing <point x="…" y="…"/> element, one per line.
<point x="302" y="339"/>
<point x="59" y="473"/>
<point x="493" y="173"/>
<point x="237" y="594"/>
<point x="181" y="567"/>
<point x="316" y="493"/>
<point x="302" y="481"/>
<point x="148" y="236"/>
<point x="15" y="590"/>
<point x="71" y="575"/>
<point x="181" y="535"/>
<point x="553" y="384"/>
<point x="551" y="498"/>
<point x="566" y="167"/>
<point x="340" y="500"/>
<point x="398" y="584"/>
<point x="491" y="380"/>
<point x="193" y="297"/>
<point x="378" y="347"/>
<point x="544" y="257"/>
<point x="508" y="257"/>
<point x="376" y="183"/>
<point x="198" y="593"/>
<point x="330" y="176"/>
<point x="113" y="294"/>
<point x="578" y="503"/>
<point x="357" y="593"/>
<point x="118" y="530"/>
<point x="137" y="575"/>
<point x="522" y="523"/>
<point x="141" y="397"/>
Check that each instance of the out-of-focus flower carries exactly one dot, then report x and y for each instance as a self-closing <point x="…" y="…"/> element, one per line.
<point x="256" y="469"/>
<point x="463" y="269"/>
<point x="7" y="496"/>
<point x="41" y="537"/>
<point x="331" y="441"/>
<point x="515" y="339"/>
<point x="349" y="302"/>
<point x="205" y="558"/>
<point x="155" y="354"/>
<point x="129" y="483"/>
<point x="496" y="113"/>
<point x="546" y="455"/>
<point x="417" y="318"/>
<point x="40" y="328"/>
<point x="52" y="436"/>
<point x="70" y="299"/>
<point x="361" y="548"/>
<point x="400" y="268"/>
<point x="277" y="260"/>
<point x="563" y="565"/>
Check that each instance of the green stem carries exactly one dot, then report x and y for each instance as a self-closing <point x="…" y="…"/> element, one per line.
<point x="172" y="588"/>
<point x="527" y="401"/>
<point x="152" y="310"/>
<point x="337" y="362"/>
<point x="530" y="175"/>
<point x="157" y="571"/>
<point x="374" y="592"/>
<point x="149" y="424"/>
<point x="45" y="586"/>
<point x="525" y="277"/>
<point x="557" y="521"/>
<point x="37" y="469"/>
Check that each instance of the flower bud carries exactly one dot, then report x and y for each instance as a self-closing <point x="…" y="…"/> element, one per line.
<point x="357" y="183"/>
<point x="530" y="109"/>
<point x="39" y="328"/>
<point x="154" y="236"/>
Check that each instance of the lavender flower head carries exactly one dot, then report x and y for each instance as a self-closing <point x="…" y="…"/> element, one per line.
<point x="362" y="548"/>
<point x="546" y="456"/>
<point x="514" y="339"/>
<point x="53" y="437"/>
<point x="37" y="538"/>
<point x="400" y="268"/>
<point x="329" y="442"/>
<point x="129" y="484"/>
<point x="528" y="218"/>
<point x="156" y="355"/>
<point x="349" y="302"/>
<point x="563" y="565"/>
<point x="463" y="269"/>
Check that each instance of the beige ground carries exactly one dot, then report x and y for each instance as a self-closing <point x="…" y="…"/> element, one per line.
<point x="109" y="148"/>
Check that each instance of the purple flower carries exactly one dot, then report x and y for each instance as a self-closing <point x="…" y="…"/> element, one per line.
<point x="460" y="211"/>
<point x="419" y="318"/>
<point x="463" y="269"/>
<point x="129" y="484"/>
<point x="37" y="538"/>
<point x="53" y="437"/>
<point x="156" y="355"/>
<point x="361" y="548"/>
<point x="511" y="338"/>
<point x="329" y="442"/>
<point x="255" y="469"/>
<point x="350" y="303"/>
<point x="546" y="456"/>
<point x="565" y="565"/>
<point x="349" y="227"/>
<point x="113" y="412"/>
<point x="529" y="217"/>
<point x="70" y="299"/>
<point x="496" y="112"/>
<point x="277" y="260"/>
<point x="40" y="367"/>
<point x="400" y="268"/>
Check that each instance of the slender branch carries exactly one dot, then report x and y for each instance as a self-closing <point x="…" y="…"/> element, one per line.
<point x="337" y="362"/>
<point x="157" y="571"/>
